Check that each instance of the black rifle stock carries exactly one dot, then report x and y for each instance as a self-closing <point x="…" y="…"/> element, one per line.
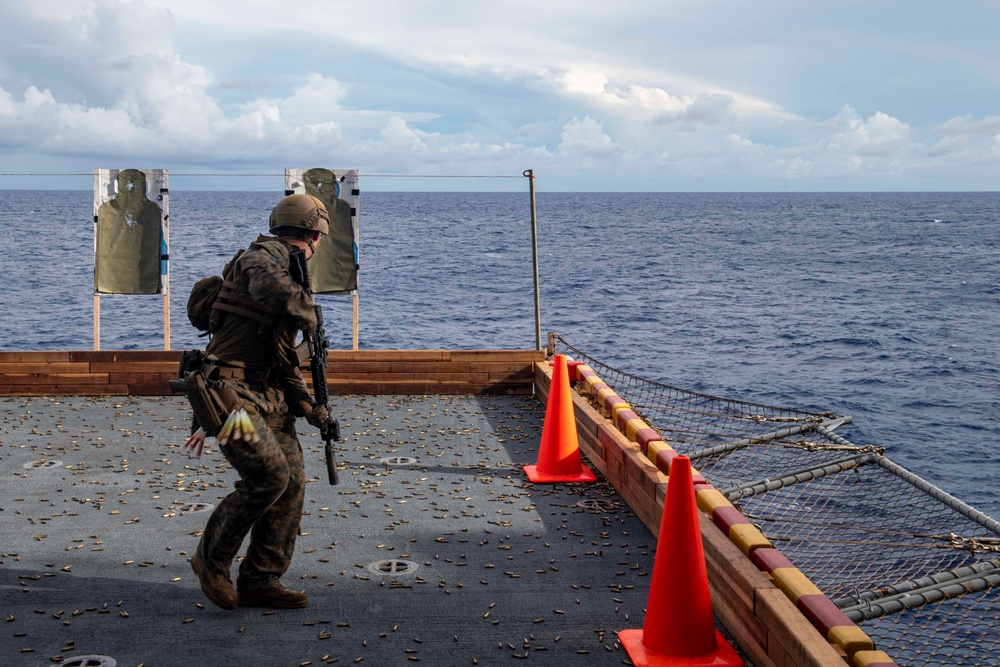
<point x="317" y="345"/>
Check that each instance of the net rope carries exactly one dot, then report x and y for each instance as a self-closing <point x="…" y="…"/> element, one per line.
<point x="917" y="569"/>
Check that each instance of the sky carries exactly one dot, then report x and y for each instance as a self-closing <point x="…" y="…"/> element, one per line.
<point x="659" y="95"/>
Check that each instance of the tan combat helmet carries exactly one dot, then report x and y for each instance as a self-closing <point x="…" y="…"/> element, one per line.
<point x="302" y="212"/>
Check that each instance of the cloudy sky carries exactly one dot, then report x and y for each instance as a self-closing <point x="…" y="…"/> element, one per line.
<point x="658" y="95"/>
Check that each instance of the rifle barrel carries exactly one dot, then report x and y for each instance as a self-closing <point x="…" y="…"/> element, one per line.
<point x="316" y="342"/>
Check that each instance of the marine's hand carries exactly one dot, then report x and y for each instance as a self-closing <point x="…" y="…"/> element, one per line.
<point x="318" y="416"/>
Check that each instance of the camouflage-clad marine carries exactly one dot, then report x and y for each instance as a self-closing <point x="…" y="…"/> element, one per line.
<point x="255" y="321"/>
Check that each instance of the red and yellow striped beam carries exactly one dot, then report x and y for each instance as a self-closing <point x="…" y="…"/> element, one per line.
<point x="821" y="612"/>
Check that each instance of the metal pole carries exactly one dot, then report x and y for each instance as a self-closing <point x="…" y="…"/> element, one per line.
<point x="986" y="568"/>
<point x="530" y="175"/>
<point x="97" y="321"/>
<point x="755" y="440"/>
<point x="974" y="582"/>
<point x="165" y="269"/>
<point x="97" y="297"/>
<point x="774" y="435"/>
<point x="951" y="501"/>
<point x="740" y="491"/>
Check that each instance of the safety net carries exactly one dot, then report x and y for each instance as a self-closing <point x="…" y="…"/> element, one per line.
<point x="914" y="567"/>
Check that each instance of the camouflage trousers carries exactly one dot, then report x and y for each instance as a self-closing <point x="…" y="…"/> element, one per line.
<point x="266" y="503"/>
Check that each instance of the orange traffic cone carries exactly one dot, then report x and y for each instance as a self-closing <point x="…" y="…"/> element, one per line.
<point x="559" y="456"/>
<point x="679" y="630"/>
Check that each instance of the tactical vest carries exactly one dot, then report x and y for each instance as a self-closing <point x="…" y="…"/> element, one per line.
<point x="234" y="298"/>
<point x="212" y="296"/>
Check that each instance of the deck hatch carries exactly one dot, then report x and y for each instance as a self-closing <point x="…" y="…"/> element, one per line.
<point x="193" y="508"/>
<point x="44" y="463"/>
<point x="90" y="661"/>
<point x="393" y="566"/>
<point x="399" y="461"/>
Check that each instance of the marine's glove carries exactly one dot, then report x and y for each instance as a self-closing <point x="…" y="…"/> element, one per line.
<point x="317" y="415"/>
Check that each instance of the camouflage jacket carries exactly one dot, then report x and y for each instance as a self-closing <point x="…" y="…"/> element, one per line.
<point x="262" y="270"/>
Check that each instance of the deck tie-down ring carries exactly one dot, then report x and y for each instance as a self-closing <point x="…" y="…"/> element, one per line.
<point x="393" y="567"/>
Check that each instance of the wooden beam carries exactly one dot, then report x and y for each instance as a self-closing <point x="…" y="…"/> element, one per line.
<point x="147" y="372"/>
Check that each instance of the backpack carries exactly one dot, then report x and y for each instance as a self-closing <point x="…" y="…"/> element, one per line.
<point x="203" y="296"/>
<point x="199" y="304"/>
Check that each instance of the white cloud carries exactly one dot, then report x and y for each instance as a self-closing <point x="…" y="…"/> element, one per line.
<point x="580" y="82"/>
<point x="709" y="109"/>
<point x="877" y="135"/>
<point x="396" y="134"/>
<point x="7" y="105"/>
<point x="153" y="103"/>
<point x="403" y="86"/>
<point x="586" y="138"/>
<point x="968" y="142"/>
<point x="845" y="146"/>
<point x="315" y="101"/>
<point x="967" y="125"/>
<point x="641" y="102"/>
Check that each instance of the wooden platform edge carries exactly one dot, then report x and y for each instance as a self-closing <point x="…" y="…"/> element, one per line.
<point x="146" y="372"/>
<point x="746" y="601"/>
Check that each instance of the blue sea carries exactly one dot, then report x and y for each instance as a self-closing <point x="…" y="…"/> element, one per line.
<point x="882" y="306"/>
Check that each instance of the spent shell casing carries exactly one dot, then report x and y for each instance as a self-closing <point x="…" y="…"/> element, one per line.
<point x="249" y="431"/>
<point x="226" y="429"/>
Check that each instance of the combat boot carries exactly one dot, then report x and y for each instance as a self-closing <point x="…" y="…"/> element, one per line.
<point x="272" y="594"/>
<point x="217" y="587"/>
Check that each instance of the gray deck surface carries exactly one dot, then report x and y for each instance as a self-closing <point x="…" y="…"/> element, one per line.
<point x="100" y="510"/>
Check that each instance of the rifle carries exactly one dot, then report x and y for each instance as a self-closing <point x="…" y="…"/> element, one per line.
<point x="317" y="345"/>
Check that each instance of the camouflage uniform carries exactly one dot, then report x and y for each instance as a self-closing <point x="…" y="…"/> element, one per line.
<point x="259" y="362"/>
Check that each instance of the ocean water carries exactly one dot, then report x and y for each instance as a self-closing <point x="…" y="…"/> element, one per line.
<point x="882" y="306"/>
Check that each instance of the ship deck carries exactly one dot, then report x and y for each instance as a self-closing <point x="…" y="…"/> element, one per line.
<point x="433" y="548"/>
